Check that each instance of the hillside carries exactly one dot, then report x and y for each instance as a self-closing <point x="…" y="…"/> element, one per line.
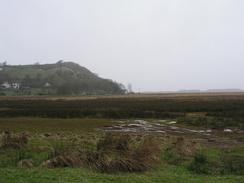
<point x="61" y="78"/>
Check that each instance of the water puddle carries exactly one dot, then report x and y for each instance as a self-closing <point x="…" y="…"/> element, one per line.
<point x="160" y="126"/>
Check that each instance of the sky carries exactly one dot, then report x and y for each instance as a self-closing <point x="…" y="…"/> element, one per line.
<point x="156" y="45"/>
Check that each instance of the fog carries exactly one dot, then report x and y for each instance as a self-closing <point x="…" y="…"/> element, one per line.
<point x="155" y="45"/>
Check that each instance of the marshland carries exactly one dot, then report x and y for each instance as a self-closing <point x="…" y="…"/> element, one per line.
<point x="141" y="138"/>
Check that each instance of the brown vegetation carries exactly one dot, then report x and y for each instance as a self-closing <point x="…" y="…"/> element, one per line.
<point x="118" y="153"/>
<point x="15" y="141"/>
<point x="179" y="150"/>
<point x="113" y="153"/>
<point x="63" y="161"/>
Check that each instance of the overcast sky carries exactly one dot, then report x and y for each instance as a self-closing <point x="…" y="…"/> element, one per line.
<point x="153" y="44"/>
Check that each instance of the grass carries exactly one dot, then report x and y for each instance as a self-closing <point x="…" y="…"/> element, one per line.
<point x="166" y="173"/>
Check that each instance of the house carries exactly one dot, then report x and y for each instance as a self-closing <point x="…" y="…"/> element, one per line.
<point x="6" y="85"/>
<point x="47" y="85"/>
<point x="15" y="85"/>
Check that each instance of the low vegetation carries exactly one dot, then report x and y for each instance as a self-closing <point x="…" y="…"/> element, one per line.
<point x="112" y="153"/>
<point x="45" y="140"/>
<point x="206" y="111"/>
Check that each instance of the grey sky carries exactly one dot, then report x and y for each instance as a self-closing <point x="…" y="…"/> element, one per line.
<point x="153" y="44"/>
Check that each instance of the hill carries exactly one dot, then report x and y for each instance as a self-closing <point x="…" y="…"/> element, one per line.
<point x="61" y="78"/>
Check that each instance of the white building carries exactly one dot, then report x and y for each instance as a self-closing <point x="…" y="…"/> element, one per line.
<point x="15" y="85"/>
<point x="47" y="84"/>
<point x="6" y="85"/>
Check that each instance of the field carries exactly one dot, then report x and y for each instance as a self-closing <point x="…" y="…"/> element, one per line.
<point x="132" y="138"/>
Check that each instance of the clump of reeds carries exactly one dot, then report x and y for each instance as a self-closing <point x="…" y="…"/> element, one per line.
<point x="117" y="153"/>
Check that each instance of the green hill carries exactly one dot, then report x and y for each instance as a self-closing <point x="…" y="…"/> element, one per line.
<point x="61" y="78"/>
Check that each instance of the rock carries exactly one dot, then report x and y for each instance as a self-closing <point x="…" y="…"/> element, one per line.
<point x="25" y="163"/>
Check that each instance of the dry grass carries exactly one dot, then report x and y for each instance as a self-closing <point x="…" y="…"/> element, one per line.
<point x="179" y="150"/>
<point x="117" y="153"/>
<point x="71" y="161"/>
<point x="113" y="153"/>
<point x="10" y="140"/>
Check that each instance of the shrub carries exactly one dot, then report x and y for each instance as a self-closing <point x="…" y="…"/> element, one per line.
<point x="200" y="164"/>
